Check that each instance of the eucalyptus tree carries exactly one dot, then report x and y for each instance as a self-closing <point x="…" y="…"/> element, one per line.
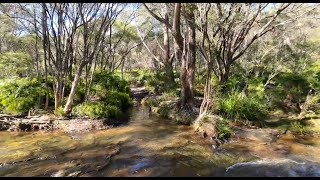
<point x="184" y="47"/>
<point x="163" y="13"/>
<point x="59" y="24"/>
<point x="227" y="31"/>
<point x="95" y="20"/>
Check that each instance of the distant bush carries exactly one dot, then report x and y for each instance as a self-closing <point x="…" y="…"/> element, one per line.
<point x="150" y="102"/>
<point x="288" y="88"/>
<point x="106" y="81"/>
<point x="59" y="111"/>
<point x="145" y="77"/>
<point x="119" y="99"/>
<point x="237" y="105"/>
<point x="17" y="64"/>
<point x="233" y="83"/>
<point x="166" y="96"/>
<point x="256" y="88"/>
<point x="109" y="97"/>
<point x="111" y="90"/>
<point x="17" y="96"/>
<point x="312" y="74"/>
<point x="97" y="110"/>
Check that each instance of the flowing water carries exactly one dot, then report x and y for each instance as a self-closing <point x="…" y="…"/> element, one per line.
<point x="152" y="146"/>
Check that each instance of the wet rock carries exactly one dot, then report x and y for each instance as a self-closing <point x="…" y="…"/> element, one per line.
<point x="74" y="174"/>
<point x="70" y="172"/>
<point x="79" y="125"/>
<point x="207" y="126"/>
<point x="60" y="173"/>
<point x="4" y="126"/>
<point x="139" y="93"/>
<point x="141" y="164"/>
<point x="265" y="135"/>
<point x="274" y="168"/>
<point x="214" y="147"/>
<point x="182" y="116"/>
<point x="24" y="127"/>
<point x="13" y="128"/>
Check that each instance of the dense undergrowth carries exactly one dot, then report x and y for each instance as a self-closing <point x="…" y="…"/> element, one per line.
<point x="109" y="96"/>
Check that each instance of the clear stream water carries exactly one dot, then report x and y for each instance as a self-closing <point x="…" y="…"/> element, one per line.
<point x="153" y="146"/>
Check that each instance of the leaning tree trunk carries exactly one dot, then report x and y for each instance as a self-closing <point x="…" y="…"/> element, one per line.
<point x="68" y="107"/>
<point x="206" y="103"/>
<point x="207" y="98"/>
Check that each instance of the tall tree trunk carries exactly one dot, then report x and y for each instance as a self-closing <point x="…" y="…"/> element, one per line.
<point x="224" y="77"/>
<point x="188" y="62"/>
<point x="86" y="80"/>
<point x="90" y="81"/>
<point x="37" y="53"/>
<point x="122" y="67"/>
<point x="58" y="88"/>
<point x="68" y="107"/>
<point x="168" y="69"/>
<point x="44" y="44"/>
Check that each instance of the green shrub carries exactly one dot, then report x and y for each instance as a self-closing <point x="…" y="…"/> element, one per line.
<point x="145" y="77"/>
<point x="119" y="99"/>
<point x="111" y="90"/>
<point x="233" y="83"/>
<point x="113" y="111"/>
<point x="80" y="93"/>
<point x="293" y="84"/>
<point x="201" y="78"/>
<point x="298" y="127"/>
<point x="164" y="110"/>
<point x="59" y="111"/>
<point x="256" y="88"/>
<point x="237" y="105"/>
<point x="150" y="102"/>
<point x="106" y="81"/>
<point x="19" y="95"/>
<point x="167" y="96"/>
<point x="224" y="130"/>
<point x="158" y="82"/>
<point x="312" y="73"/>
<point x="96" y="110"/>
<point x="17" y="64"/>
<point x="199" y="90"/>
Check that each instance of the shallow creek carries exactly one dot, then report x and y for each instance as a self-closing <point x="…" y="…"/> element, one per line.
<point x="153" y="146"/>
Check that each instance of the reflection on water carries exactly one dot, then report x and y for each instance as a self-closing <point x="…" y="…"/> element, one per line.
<point x="146" y="146"/>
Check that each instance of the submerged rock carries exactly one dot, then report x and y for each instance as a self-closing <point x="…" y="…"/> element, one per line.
<point x="141" y="164"/>
<point x="24" y="127"/>
<point x="274" y="168"/>
<point x="60" y="173"/>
